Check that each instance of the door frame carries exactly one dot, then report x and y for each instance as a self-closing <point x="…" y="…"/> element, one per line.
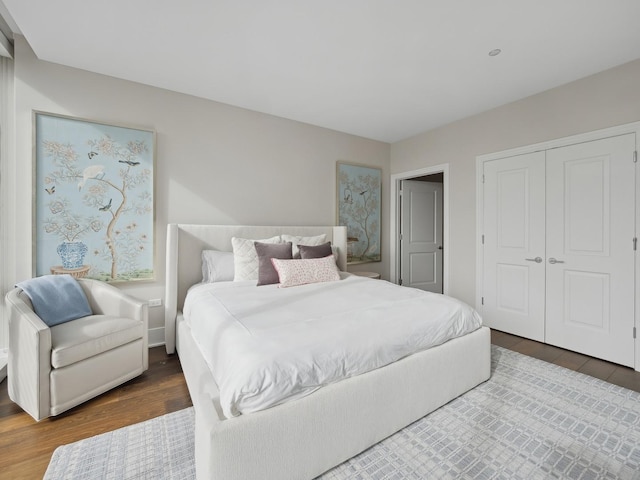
<point x="395" y="216"/>
<point x="560" y="142"/>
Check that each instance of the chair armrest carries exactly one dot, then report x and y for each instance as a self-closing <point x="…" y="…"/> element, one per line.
<point x="106" y="299"/>
<point x="29" y="357"/>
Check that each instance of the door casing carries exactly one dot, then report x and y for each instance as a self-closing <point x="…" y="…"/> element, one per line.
<point x="394" y="251"/>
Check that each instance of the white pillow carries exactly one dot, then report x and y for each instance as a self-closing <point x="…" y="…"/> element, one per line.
<point x="217" y="266"/>
<point x="304" y="271"/>
<point x="299" y="240"/>
<point x="245" y="257"/>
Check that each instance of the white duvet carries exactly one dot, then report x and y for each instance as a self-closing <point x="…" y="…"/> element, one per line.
<point x="266" y="345"/>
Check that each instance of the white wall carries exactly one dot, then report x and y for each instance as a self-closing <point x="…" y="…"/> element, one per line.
<point x="215" y="163"/>
<point x="603" y="100"/>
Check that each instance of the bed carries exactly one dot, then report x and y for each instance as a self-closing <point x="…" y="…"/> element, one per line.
<point x="302" y="438"/>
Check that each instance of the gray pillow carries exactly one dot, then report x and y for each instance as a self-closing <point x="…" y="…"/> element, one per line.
<point x="267" y="274"/>
<point x="315" y="251"/>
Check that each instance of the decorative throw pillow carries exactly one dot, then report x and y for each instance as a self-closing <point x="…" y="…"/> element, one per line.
<point x="297" y="240"/>
<point x="315" y="251"/>
<point x="266" y="251"/>
<point x="56" y="299"/>
<point x="301" y="272"/>
<point x="245" y="258"/>
<point x="217" y="266"/>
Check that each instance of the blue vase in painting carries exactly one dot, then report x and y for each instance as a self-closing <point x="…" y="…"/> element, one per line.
<point x="72" y="254"/>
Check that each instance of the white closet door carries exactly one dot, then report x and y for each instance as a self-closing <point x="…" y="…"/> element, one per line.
<point x="590" y="257"/>
<point x="421" y="243"/>
<point x="514" y="245"/>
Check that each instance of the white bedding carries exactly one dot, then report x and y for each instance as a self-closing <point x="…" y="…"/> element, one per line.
<point x="266" y="345"/>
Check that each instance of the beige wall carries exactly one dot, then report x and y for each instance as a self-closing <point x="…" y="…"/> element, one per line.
<point x="221" y="164"/>
<point x="603" y="100"/>
<point x="215" y="163"/>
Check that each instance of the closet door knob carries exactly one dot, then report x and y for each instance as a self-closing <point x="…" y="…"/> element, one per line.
<point x="553" y="261"/>
<point x="537" y="259"/>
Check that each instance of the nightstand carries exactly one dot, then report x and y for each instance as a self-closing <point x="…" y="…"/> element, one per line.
<point x="374" y="275"/>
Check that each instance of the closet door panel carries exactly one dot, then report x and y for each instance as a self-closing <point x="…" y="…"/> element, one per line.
<point x="514" y="233"/>
<point x="590" y="259"/>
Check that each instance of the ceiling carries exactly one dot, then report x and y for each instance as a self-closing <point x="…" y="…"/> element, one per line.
<point x="380" y="69"/>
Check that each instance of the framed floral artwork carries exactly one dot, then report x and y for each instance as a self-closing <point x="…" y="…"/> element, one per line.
<point x="94" y="199"/>
<point x="358" y="189"/>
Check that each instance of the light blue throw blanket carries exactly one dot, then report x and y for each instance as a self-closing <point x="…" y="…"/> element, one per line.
<point x="56" y="298"/>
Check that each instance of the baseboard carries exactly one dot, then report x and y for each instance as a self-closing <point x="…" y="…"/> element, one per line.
<point x="156" y="337"/>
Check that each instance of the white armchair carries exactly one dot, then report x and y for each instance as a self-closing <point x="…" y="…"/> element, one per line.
<point x="52" y="369"/>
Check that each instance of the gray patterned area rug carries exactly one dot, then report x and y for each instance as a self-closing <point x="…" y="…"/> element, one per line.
<point x="531" y="420"/>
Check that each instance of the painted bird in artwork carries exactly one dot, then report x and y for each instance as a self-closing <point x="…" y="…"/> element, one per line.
<point x="93" y="171"/>
<point x="131" y="163"/>
<point x="106" y="207"/>
<point x="51" y="190"/>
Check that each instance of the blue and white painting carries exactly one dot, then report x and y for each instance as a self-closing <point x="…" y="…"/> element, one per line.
<point x="94" y="199"/>
<point x="359" y="204"/>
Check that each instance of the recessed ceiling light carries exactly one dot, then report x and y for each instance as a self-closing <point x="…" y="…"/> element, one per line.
<point x="494" y="52"/>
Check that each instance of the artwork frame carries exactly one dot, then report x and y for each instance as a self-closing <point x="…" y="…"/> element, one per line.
<point x="359" y="208"/>
<point x="93" y="199"/>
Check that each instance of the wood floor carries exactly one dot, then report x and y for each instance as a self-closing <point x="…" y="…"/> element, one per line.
<point x="612" y="373"/>
<point x="26" y="446"/>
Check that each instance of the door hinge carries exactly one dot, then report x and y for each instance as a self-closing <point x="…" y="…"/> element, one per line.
<point x="400" y="193"/>
<point x="635" y="243"/>
<point x="400" y="282"/>
<point x="482" y="300"/>
<point x="483" y="238"/>
<point x="635" y="157"/>
<point x="483" y="178"/>
<point x="634" y="332"/>
<point x="401" y="237"/>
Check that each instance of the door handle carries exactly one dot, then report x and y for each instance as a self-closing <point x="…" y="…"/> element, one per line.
<point x="553" y="261"/>
<point x="537" y="259"/>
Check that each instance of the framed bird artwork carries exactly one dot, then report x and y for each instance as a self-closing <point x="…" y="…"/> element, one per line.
<point x="358" y="205"/>
<point x="94" y="205"/>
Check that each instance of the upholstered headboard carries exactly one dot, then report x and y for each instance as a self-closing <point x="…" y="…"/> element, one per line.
<point x="184" y="257"/>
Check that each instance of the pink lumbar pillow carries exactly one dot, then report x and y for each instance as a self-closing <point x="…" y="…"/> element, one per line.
<point x="301" y="272"/>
